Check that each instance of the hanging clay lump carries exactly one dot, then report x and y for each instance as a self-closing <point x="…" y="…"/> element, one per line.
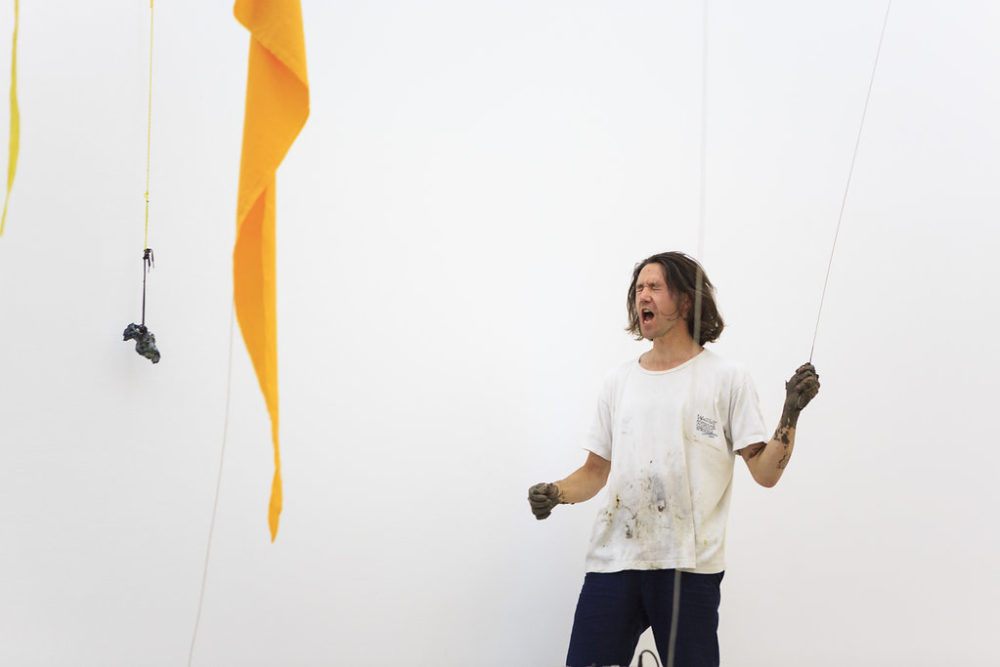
<point x="145" y="341"/>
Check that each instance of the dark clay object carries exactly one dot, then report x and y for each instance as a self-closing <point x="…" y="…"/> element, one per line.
<point x="145" y="341"/>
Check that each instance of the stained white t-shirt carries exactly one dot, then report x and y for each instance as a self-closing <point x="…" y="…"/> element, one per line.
<point x="671" y="437"/>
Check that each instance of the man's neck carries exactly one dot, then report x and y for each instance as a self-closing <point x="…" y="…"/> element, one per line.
<point x="668" y="353"/>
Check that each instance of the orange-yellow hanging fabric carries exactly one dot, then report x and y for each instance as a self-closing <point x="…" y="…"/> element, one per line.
<point x="15" y="122"/>
<point x="276" y="109"/>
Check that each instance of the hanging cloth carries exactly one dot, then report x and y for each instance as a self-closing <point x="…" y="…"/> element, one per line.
<point x="277" y="105"/>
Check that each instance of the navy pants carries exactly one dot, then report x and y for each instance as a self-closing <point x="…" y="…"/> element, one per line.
<point x="616" y="607"/>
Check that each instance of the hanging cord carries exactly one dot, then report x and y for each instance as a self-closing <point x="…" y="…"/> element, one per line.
<point x="218" y="486"/>
<point x="675" y="612"/>
<point x="703" y="148"/>
<point x="850" y="174"/>
<point x="145" y="341"/>
<point x="147" y="255"/>
<point x="149" y="123"/>
<point x="699" y="290"/>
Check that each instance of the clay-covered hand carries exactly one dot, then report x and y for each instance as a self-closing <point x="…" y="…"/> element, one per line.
<point x="802" y="387"/>
<point x="542" y="498"/>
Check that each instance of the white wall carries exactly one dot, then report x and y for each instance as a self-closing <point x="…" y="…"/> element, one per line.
<point x="457" y="225"/>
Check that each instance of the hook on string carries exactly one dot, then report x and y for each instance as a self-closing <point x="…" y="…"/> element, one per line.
<point x="147" y="264"/>
<point x="145" y="341"/>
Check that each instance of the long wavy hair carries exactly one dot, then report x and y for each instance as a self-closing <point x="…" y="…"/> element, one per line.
<point x="682" y="274"/>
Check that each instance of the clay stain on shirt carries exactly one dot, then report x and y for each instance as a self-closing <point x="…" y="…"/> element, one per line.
<point x="659" y="493"/>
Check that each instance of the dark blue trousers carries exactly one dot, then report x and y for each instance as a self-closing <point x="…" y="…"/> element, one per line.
<point x="616" y="607"/>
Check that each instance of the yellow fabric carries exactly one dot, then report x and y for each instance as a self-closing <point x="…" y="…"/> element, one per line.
<point x="15" y="122"/>
<point x="276" y="109"/>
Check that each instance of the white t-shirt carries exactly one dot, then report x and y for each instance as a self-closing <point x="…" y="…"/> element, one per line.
<point x="671" y="437"/>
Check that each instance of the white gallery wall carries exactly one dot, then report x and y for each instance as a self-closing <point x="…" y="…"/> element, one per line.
<point x="457" y="226"/>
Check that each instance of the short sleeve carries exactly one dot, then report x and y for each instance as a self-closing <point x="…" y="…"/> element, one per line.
<point x="746" y="422"/>
<point x="598" y="438"/>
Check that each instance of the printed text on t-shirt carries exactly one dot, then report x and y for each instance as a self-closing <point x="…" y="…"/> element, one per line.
<point x="706" y="426"/>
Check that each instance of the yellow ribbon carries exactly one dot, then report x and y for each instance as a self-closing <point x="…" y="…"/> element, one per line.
<point x="277" y="105"/>
<point x="15" y="122"/>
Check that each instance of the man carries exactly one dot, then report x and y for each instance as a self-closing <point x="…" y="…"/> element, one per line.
<point x="668" y="427"/>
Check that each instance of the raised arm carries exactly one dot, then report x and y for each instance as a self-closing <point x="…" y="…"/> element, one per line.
<point x="582" y="484"/>
<point x="767" y="461"/>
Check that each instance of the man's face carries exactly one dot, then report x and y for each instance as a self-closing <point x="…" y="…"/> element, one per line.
<point x="658" y="312"/>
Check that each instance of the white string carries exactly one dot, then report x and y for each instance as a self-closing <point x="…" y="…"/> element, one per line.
<point x="671" y="645"/>
<point x="704" y="138"/>
<point x="850" y="174"/>
<point x="699" y="277"/>
<point x="218" y="485"/>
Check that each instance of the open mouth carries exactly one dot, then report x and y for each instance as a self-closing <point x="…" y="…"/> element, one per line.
<point x="647" y="315"/>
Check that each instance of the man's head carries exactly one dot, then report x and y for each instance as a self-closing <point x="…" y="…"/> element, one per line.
<point x="664" y="291"/>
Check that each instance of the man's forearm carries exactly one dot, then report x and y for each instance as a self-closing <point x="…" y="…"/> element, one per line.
<point x="583" y="484"/>
<point x="768" y="463"/>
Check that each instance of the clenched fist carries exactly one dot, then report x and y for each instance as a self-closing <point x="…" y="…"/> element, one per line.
<point x="801" y="388"/>
<point x="542" y="498"/>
